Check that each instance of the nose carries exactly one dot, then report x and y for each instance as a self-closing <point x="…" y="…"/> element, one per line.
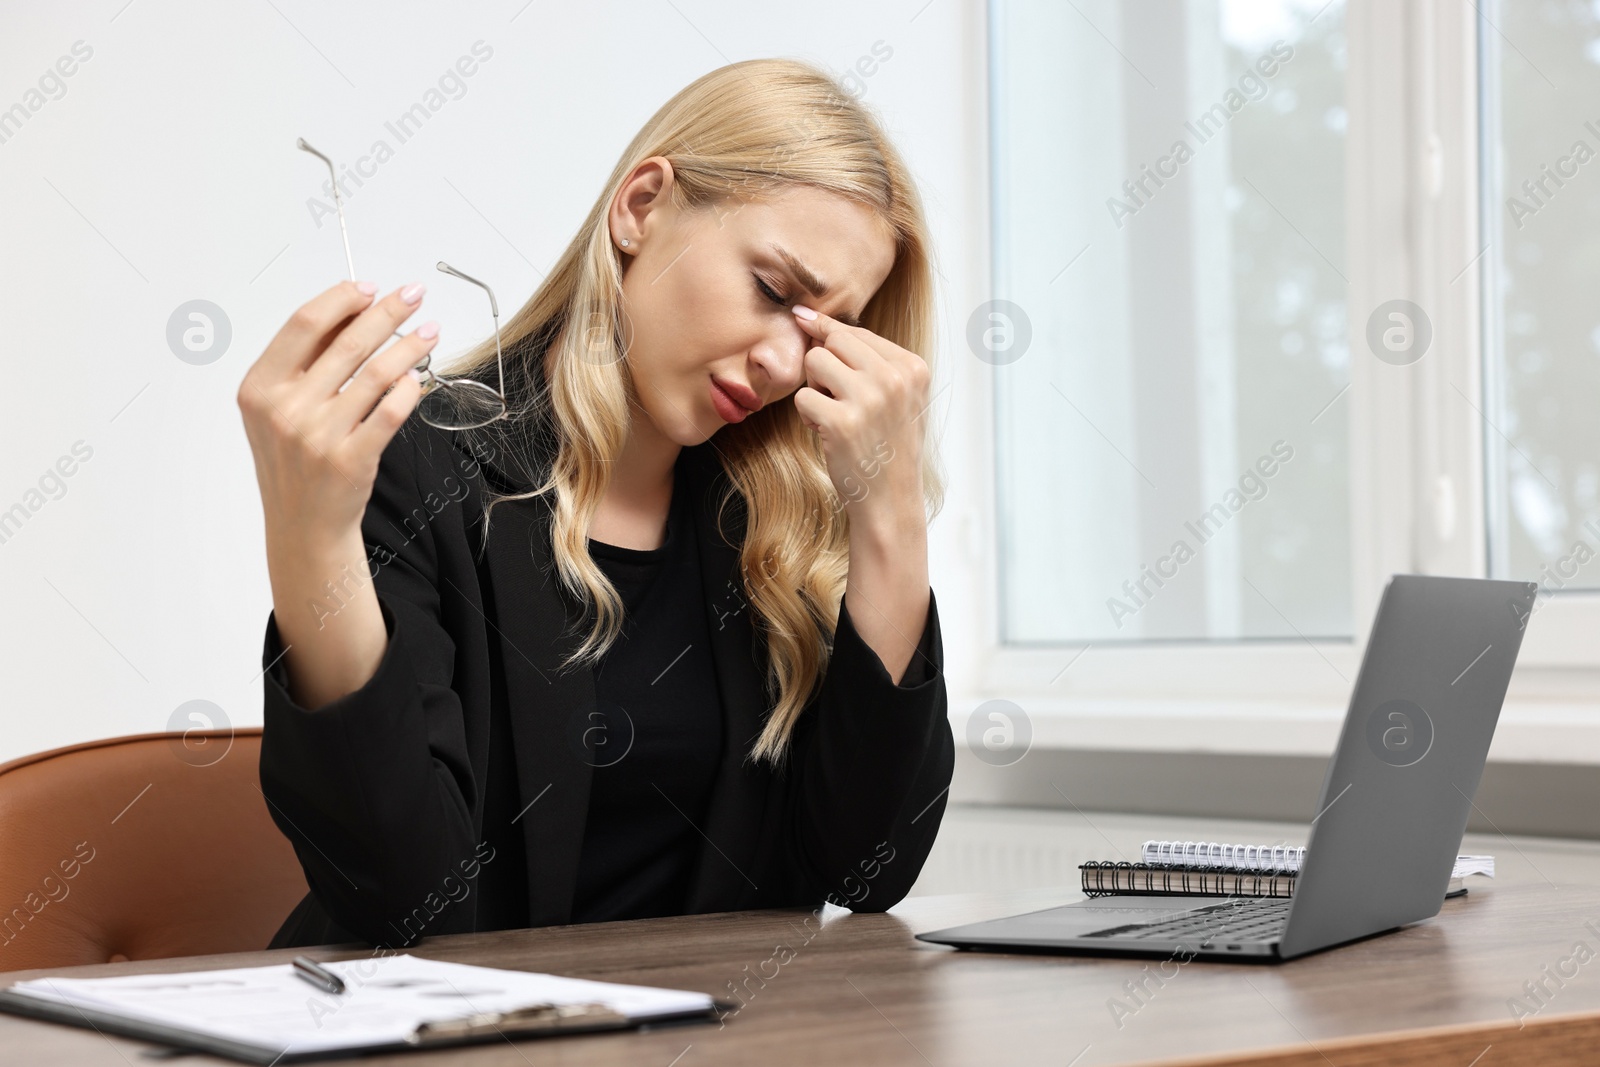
<point x="782" y="356"/>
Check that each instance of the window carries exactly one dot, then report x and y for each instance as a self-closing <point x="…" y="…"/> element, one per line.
<point x="1541" y="138"/>
<point x="1169" y="339"/>
<point x="1378" y="256"/>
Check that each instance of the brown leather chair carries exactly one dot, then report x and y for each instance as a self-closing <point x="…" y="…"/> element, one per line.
<point x="140" y="848"/>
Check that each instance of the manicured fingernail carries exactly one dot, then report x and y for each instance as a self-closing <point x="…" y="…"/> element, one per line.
<point x="367" y="288"/>
<point x="412" y="293"/>
<point x="416" y="375"/>
<point x="803" y="311"/>
<point x="428" y="331"/>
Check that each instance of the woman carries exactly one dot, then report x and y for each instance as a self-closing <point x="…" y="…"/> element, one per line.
<point x="660" y="639"/>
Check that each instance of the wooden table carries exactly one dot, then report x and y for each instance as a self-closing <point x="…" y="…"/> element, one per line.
<point x="850" y="989"/>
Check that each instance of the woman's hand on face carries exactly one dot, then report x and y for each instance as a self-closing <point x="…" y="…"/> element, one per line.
<point x="317" y="447"/>
<point x="866" y="397"/>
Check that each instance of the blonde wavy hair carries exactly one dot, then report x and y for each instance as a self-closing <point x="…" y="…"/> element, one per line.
<point x="738" y="132"/>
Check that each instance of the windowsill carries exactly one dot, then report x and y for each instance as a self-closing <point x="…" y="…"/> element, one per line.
<point x="1529" y="731"/>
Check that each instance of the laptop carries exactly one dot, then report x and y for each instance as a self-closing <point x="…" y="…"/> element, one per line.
<point x="1394" y="804"/>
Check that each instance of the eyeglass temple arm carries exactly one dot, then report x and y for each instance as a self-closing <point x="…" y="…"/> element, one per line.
<point x="494" y="309"/>
<point x="338" y="202"/>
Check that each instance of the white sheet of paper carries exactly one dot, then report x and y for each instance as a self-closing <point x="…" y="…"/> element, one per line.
<point x="385" y="998"/>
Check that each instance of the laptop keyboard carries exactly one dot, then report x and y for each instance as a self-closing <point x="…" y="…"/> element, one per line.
<point x="1243" y="919"/>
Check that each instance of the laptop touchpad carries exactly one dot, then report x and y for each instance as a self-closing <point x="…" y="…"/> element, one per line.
<point x="1143" y="904"/>
<point x="1099" y="913"/>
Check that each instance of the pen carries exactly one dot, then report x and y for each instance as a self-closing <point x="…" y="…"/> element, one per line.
<point x="318" y="975"/>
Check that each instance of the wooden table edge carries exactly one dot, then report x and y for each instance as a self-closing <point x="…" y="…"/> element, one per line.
<point x="1555" y="1041"/>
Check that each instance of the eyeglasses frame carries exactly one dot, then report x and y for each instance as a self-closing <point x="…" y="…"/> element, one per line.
<point x="433" y="381"/>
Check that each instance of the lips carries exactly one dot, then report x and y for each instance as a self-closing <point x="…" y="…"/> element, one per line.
<point x="734" y="402"/>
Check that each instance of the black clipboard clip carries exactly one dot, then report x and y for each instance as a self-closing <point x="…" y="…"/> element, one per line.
<point x="534" y="1018"/>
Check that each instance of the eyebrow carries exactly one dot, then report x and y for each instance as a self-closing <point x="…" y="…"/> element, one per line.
<point x="813" y="284"/>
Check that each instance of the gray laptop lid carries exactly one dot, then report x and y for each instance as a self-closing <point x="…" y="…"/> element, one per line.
<point x="1399" y="788"/>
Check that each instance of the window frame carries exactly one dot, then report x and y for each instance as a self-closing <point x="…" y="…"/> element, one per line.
<point x="1417" y="449"/>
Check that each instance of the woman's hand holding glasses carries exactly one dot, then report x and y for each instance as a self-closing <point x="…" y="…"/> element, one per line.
<point x="317" y="442"/>
<point x="317" y="432"/>
<point x="318" y="435"/>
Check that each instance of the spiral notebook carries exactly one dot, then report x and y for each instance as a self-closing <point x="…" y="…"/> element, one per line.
<point x="267" y="1015"/>
<point x="1214" y="869"/>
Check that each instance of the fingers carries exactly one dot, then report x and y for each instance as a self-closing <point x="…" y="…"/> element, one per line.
<point x="816" y="410"/>
<point x="372" y="436"/>
<point x="856" y="345"/>
<point x="852" y="344"/>
<point x="303" y="337"/>
<point x="828" y="374"/>
<point x="880" y="358"/>
<point x="842" y="357"/>
<point x="854" y="379"/>
<point x="381" y="371"/>
<point x="360" y="339"/>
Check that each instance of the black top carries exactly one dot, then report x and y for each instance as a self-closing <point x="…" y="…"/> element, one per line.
<point x="444" y="795"/>
<point x="655" y="736"/>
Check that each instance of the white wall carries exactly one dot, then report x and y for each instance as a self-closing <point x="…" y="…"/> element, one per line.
<point x="166" y="172"/>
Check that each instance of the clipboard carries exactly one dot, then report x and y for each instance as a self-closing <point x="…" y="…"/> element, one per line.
<point x="548" y="1018"/>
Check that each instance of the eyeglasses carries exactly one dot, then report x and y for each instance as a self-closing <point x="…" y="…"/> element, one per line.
<point x="448" y="403"/>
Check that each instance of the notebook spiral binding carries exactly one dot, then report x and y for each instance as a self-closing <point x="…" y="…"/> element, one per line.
<point x="1218" y="854"/>
<point x="1106" y="877"/>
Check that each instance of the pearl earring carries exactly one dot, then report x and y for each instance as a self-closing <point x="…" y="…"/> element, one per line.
<point x="624" y="242"/>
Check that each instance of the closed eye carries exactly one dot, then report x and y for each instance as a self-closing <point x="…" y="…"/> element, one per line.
<point x="766" y="291"/>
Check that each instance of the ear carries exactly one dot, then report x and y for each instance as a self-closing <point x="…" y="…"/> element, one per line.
<point x="642" y="203"/>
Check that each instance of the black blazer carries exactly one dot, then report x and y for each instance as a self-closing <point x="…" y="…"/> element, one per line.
<point x="383" y="792"/>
